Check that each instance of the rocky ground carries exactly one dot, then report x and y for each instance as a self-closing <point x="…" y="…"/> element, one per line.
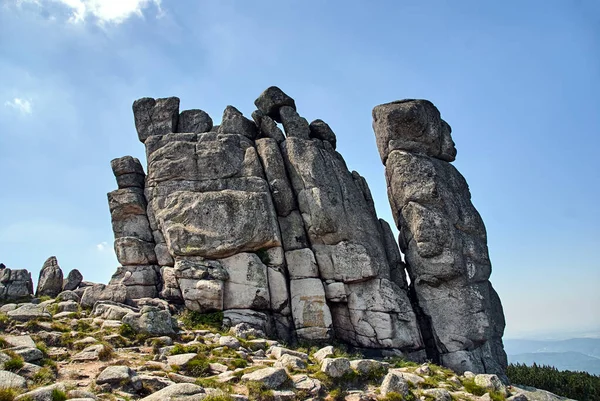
<point x="53" y="350"/>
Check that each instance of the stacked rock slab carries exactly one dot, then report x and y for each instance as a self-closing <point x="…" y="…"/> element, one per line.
<point x="270" y="228"/>
<point x="443" y="239"/>
<point x="134" y="242"/>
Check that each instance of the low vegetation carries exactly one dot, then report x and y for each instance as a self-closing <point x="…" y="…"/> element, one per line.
<point x="576" y="385"/>
<point x="197" y="321"/>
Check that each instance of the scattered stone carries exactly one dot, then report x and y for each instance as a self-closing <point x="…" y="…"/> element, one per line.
<point x="335" y="367"/>
<point x="68" y="295"/>
<point x="272" y="378"/>
<point x="180" y="359"/>
<point x="91" y="353"/>
<point x="277" y="352"/>
<point x="366" y="366"/>
<point x="394" y="383"/>
<point x="438" y="394"/>
<point x="120" y="377"/>
<point x="29" y="312"/>
<point x="490" y="382"/>
<point x="323" y="353"/>
<point x="290" y="362"/>
<point x="150" y="320"/>
<point x="12" y="380"/>
<point x="41" y="393"/>
<point x="175" y="391"/>
<point x="230" y="342"/>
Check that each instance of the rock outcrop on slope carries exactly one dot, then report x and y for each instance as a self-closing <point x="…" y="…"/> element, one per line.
<point x="261" y="219"/>
<point x="443" y="238"/>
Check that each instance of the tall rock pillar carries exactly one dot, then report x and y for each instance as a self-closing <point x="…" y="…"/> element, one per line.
<point x="443" y="238"/>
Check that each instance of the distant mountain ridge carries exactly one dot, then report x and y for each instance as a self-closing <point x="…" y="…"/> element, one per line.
<point x="573" y="361"/>
<point x="575" y="354"/>
<point x="587" y="346"/>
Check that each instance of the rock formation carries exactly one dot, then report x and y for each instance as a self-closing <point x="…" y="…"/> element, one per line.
<point x="272" y="228"/>
<point x="443" y="238"/>
<point x="15" y="285"/>
<point x="50" y="282"/>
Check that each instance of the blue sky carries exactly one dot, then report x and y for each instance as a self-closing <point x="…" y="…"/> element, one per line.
<point x="517" y="81"/>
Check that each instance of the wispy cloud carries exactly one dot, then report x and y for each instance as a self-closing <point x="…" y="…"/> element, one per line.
<point x="102" y="246"/>
<point x="103" y="12"/>
<point x="21" y="105"/>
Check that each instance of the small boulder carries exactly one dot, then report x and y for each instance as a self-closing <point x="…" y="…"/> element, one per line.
<point x="180" y="360"/>
<point x="277" y="352"/>
<point x="28" y="312"/>
<point x="366" y="366"/>
<point x="335" y="367"/>
<point x="42" y="393"/>
<point x="490" y="383"/>
<point x="120" y="377"/>
<point x="290" y="362"/>
<point x="234" y="122"/>
<point x="230" y="342"/>
<point x="12" y="380"/>
<point x="174" y="391"/>
<point x="437" y="394"/>
<point x="74" y="278"/>
<point x="320" y="129"/>
<point x="271" y="100"/>
<point x="323" y="353"/>
<point x="394" y="383"/>
<point x="92" y="353"/>
<point x="150" y="320"/>
<point x="272" y="378"/>
<point x="68" y="295"/>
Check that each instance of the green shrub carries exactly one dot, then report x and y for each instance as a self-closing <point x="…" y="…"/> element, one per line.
<point x="580" y="386"/>
<point x="83" y="326"/>
<point x="391" y="396"/>
<point x="58" y="326"/>
<point x="3" y="343"/>
<point x="127" y="331"/>
<point x="196" y="320"/>
<point x="213" y="383"/>
<point x="107" y="352"/>
<point x="218" y="397"/>
<point x="497" y="396"/>
<point x="58" y="395"/>
<point x="473" y="388"/>
<point x="198" y="367"/>
<point x="44" y="377"/>
<point x="8" y="394"/>
<point x="14" y="363"/>
<point x="337" y="394"/>
<point x="259" y="392"/>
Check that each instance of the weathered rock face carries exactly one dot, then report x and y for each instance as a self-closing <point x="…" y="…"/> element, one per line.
<point x="15" y="285"/>
<point x="443" y="238"/>
<point x="50" y="282"/>
<point x="271" y="227"/>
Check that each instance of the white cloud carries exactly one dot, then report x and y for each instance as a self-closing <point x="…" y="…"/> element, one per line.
<point x="107" y="11"/>
<point x="21" y="105"/>
<point x="102" y="246"/>
<point x="103" y="11"/>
